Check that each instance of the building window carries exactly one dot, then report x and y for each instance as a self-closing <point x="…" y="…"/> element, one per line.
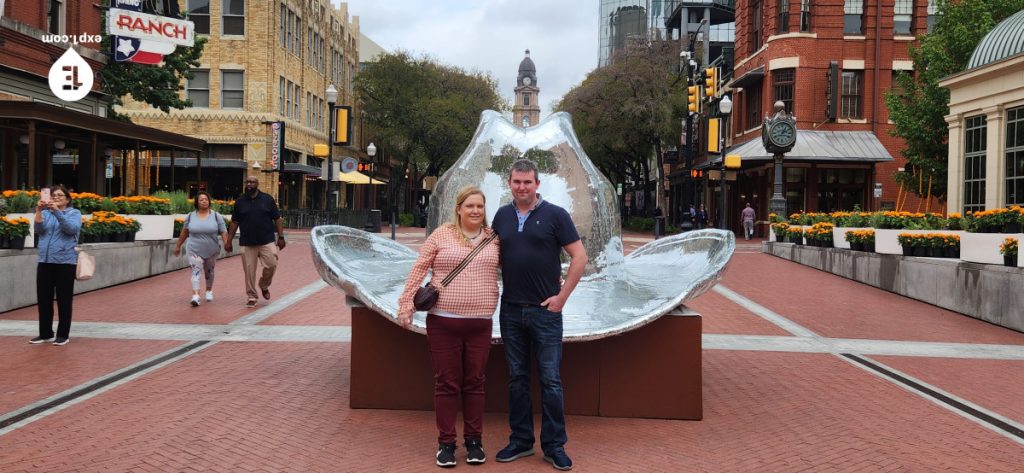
<point x="290" y="22"/>
<point x="297" y="37"/>
<point x="526" y="99"/>
<point x="974" y="163"/>
<point x="853" y="17"/>
<point x="782" y="84"/>
<point x="805" y="15"/>
<point x="903" y="18"/>
<point x="55" y="17"/>
<point x="233" y="17"/>
<point x="752" y="106"/>
<point x="756" y="19"/>
<point x="232" y="89"/>
<point x="198" y="88"/>
<point x="283" y="29"/>
<point x="850" y="105"/>
<point x="288" y="99"/>
<point x="933" y="14"/>
<point x="199" y="15"/>
<point x="309" y="44"/>
<point x="280" y="98"/>
<point x="1015" y="156"/>
<point x="783" y="16"/>
<point x="297" y="104"/>
<point x="526" y="121"/>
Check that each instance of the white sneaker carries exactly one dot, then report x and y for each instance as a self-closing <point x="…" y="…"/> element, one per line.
<point x="195" y="301"/>
<point x="209" y="296"/>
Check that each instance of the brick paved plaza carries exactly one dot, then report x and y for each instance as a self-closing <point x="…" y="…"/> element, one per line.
<point x="803" y="371"/>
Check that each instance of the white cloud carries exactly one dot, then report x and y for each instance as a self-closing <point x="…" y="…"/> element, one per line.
<point x="490" y="36"/>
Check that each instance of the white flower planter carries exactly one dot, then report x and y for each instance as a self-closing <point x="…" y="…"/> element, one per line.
<point x="154" y="227"/>
<point x="984" y="247"/>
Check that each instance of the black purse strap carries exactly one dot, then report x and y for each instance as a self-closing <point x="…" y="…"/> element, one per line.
<point x="465" y="262"/>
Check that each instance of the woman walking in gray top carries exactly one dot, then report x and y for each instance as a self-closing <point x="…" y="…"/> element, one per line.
<point x="204" y="230"/>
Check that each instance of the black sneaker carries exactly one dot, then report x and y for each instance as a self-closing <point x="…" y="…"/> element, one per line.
<point x="475" y="452"/>
<point x="60" y="341"/>
<point x="38" y="340"/>
<point x="513" y="452"/>
<point x="446" y="455"/>
<point x="558" y="459"/>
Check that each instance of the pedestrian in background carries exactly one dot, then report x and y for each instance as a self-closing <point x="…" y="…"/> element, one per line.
<point x="533" y="233"/>
<point x="57" y="226"/>
<point x="702" y="217"/>
<point x="747" y="216"/>
<point x="202" y="233"/>
<point x="256" y="213"/>
<point x="459" y="324"/>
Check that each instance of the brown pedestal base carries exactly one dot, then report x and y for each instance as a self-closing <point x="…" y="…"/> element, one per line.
<point x="652" y="372"/>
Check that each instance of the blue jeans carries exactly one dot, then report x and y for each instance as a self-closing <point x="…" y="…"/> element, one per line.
<point x="534" y="328"/>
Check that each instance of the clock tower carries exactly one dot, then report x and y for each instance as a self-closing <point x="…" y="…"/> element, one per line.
<point x="526" y="111"/>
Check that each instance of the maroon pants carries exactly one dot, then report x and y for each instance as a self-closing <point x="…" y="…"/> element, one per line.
<point x="458" y="352"/>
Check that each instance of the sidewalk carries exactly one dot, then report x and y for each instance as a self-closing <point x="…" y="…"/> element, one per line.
<point x="791" y="383"/>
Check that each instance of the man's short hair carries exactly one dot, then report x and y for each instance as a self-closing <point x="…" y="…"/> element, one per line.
<point x="524" y="165"/>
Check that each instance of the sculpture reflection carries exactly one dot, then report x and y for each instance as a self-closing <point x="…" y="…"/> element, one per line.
<point x="616" y="295"/>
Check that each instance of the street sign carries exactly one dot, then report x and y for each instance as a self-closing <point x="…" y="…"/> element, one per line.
<point x="108" y="171"/>
<point x="878" y="190"/>
<point x="349" y="164"/>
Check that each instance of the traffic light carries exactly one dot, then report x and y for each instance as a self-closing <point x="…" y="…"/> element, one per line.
<point x="697" y="173"/>
<point x="365" y="167"/>
<point x="711" y="81"/>
<point x="693" y="97"/>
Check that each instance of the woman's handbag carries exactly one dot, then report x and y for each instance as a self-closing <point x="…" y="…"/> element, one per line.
<point x="426" y="296"/>
<point x="86" y="266"/>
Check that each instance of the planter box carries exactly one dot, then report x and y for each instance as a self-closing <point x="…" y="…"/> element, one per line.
<point x="984" y="247"/>
<point x="886" y="242"/>
<point x="154" y="227"/>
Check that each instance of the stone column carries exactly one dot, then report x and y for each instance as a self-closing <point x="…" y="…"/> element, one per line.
<point x="995" y="171"/>
<point x="955" y="163"/>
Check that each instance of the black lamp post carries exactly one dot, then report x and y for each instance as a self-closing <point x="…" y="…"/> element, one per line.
<point x="371" y="151"/>
<point x="332" y="98"/>
<point x="724" y="109"/>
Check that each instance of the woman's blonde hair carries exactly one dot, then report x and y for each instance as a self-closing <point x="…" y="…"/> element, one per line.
<point x="460" y="199"/>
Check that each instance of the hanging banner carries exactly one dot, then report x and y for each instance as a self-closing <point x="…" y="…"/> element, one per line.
<point x="276" y="147"/>
<point x="342" y="125"/>
<point x="145" y="38"/>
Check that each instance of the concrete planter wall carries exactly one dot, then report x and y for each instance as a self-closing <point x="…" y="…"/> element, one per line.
<point x="984" y="291"/>
<point x="116" y="263"/>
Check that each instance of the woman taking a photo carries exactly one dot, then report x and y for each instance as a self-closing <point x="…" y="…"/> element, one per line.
<point x="459" y="324"/>
<point x="204" y="230"/>
<point x="57" y="226"/>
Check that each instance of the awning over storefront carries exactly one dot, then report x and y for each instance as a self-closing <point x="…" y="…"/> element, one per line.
<point x="358" y="178"/>
<point x="302" y="168"/>
<point x="815" y="146"/>
<point x="748" y="78"/>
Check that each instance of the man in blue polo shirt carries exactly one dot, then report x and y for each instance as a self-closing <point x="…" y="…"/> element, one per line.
<point x="533" y="233"/>
<point x="256" y="213"/>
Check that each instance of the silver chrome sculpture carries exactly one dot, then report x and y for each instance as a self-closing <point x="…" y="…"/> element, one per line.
<point x="618" y="294"/>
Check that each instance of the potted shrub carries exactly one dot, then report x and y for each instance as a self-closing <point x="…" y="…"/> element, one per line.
<point x="1009" y="251"/>
<point x="991" y="221"/>
<point x="19" y="202"/>
<point x="952" y="245"/>
<point x="954" y="222"/>
<point x="86" y="202"/>
<point x="780" y="229"/>
<point x="796" y="235"/>
<point x="13" y="232"/>
<point x="153" y="213"/>
<point x="109" y="227"/>
<point x="179" y="223"/>
<point x="912" y="244"/>
<point x="861" y="240"/>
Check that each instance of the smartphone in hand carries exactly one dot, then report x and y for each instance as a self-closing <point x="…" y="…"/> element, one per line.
<point x="44" y="195"/>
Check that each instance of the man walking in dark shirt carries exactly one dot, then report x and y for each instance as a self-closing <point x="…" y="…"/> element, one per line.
<point x="257" y="215"/>
<point x="533" y="233"/>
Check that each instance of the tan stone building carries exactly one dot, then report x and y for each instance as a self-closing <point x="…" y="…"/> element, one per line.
<point x="265" y="61"/>
<point x="526" y="111"/>
<point x="986" y="123"/>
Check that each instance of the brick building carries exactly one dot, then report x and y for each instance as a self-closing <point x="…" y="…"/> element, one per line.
<point x="264" y="62"/>
<point x="45" y="140"/>
<point x="829" y="62"/>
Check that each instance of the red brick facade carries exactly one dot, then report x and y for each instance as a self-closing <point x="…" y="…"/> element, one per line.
<point x="20" y="49"/>
<point x="814" y="49"/>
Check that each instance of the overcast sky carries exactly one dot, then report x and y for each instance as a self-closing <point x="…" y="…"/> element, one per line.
<point x="491" y="36"/>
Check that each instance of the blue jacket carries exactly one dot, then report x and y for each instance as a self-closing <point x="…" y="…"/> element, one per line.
<point x="58" y="235"/>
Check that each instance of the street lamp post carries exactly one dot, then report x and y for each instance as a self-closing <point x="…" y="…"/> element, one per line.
<point x="371" y="151"/>
<point x="724" y="109"/>
<point x="332" y="98"/>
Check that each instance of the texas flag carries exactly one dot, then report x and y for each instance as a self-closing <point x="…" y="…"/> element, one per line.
<point x="142" y="51"/>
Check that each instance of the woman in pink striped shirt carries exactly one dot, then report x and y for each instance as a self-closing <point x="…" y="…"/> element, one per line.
<point x="459" y="325"/>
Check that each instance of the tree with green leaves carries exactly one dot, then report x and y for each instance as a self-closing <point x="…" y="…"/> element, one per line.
<point x="919" y="111"/>
<point x="423" y="111"/>
<point x="629" y="111"/>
